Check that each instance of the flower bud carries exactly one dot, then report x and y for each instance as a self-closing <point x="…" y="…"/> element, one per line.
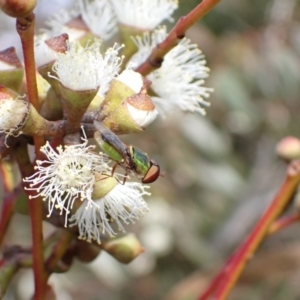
<point x="125" y="85"/>
<point x="51" y="108"/>
<point x="75" y="104"/>
<point x="113" y="205"/>
<point x="42" y="86"/>
<point x="46" y="51"/>
<point x="18" y="8"/>
<point x="124" y="249"/>
<point x="96" y="103"/>
<point x="11" y="70"/>
<point x="288" y="148"/>
<point x="19" y="116"/>
<point x="35" y="124"/>
<point x="127" y="107"/>
<point x="61" y="267"/>
<point x="86" y="252"/>
<point x="133" y="115"/>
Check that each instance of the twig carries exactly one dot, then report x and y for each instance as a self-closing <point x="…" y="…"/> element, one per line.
<point x="35" y="207"/>
<point x="60" y="248"/>
<point x="284" y="222"/>
<point x="10" y="196"/>
<point x="231" y="271"/>
<point x="155" y="59"/>
<point x="25" y="29"/>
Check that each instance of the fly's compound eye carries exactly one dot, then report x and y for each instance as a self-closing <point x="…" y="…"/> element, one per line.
<point x="152" y="173"/>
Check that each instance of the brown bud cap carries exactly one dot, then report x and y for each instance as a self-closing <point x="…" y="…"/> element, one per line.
<point x="10" y="57"/>
<point x="46" y="51"/>
<point x="58" y="43"/>
<point x="288" y="148"/>
<point x="18" y="8"/>
<point x="141" y="102"/>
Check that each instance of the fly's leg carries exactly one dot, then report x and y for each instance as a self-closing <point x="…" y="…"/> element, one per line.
<point x="124" y="177"/>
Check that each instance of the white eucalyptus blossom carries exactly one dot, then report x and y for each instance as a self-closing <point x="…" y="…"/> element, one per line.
<point x="57" y="24"/>
<point x="124" y="204"/>
<point x="100" y="17"/>
<point x="179" y="81"/>
<point x="13" y="114"/>
<point x="85" y="68"/>
<point x="66" y="175"/>
<point x="144" y="14"/>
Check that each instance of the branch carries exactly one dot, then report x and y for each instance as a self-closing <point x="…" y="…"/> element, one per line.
<point x="10" y="195"/>
<point x="229" y="274"/>
<point x="155" y="59"/>
<point x="284" y="222"/>
<point x="35" y="208"/>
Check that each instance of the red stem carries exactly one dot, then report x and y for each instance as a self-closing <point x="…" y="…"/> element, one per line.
<point x="230" y="273"/>
<point x="284" y="222"/>
<point x="155" y="59"/>
<point x="25" y="28"/>
<point x="7" y="174"/>
<point x="7" y="211"/>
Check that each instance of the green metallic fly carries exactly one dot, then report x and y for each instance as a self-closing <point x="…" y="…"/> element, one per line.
<point x="130" y="158"/>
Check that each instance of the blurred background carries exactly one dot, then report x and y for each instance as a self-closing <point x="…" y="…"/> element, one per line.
<point x="221" y="170"/>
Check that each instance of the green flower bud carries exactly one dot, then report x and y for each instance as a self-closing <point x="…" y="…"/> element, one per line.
<point x="103" y="185"/>
<point x="124" y="249"/>
<point x="11" y="70"/>
<point x="132" y="116"/>
<point x="127" y="108"/>
<point x="75" y="104"/>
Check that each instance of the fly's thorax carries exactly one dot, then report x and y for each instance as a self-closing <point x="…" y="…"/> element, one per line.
<point x="141" y="162"/>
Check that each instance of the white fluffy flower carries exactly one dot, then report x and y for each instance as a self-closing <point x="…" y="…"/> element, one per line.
<point x="57" y="24"/>
<point x="123" y="204"/>
<point x="144" y="14"/>
<point x="67" y="174"/>
<point x="179" y="81"/>
<point x="99" y="16"/>
<point x="13" y="114"/>
<point x="86" y="68"/>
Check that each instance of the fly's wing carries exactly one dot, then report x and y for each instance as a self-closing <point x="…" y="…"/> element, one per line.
<point x="108" y="137"/>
